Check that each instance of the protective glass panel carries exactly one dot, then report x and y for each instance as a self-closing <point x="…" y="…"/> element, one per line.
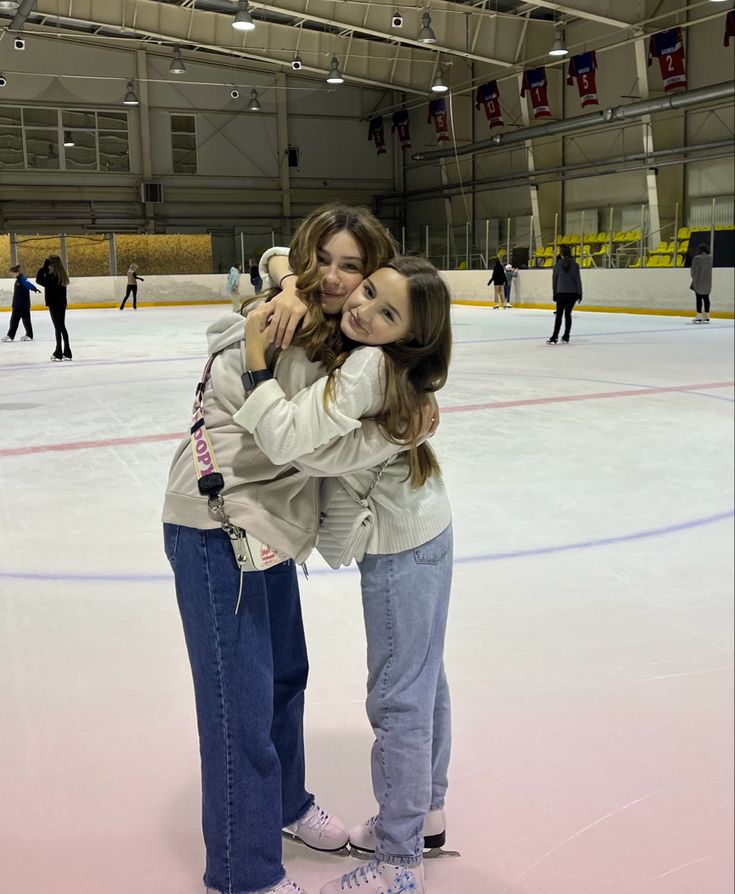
<point x="82" y="156"/>
<point x="183" y="124"/>
<point x="73" y="119"/>
<point x="184" y="152"/>
<point x="114" y="154"/>
<point x="11" y="148"/>
<point x="42" y="149"/>
<point x="9" y="116"/>
<point x="40" y="117"/>
<point x="112" y="120"/>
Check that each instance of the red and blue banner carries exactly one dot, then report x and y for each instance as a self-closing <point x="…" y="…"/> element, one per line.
<point x="582" y="68"/>
<point x="488" y="96"/>
<point x="668" y="48"/>
<point x="402" y="125"/>
<point x="535" y="83"/>
<point x="438" y="114"/>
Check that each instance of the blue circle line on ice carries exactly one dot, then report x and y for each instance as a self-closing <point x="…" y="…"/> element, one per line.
<point x="462" y="560"/>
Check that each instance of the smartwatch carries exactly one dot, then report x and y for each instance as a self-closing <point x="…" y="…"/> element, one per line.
<point x="252" y="378"/>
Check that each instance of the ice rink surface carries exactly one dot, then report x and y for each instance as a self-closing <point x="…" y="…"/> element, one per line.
<point x="589" y="650"/>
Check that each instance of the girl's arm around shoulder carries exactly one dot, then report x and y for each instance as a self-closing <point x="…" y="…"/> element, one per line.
<point x="363" y="448"/>
<point x="287" y="429"/>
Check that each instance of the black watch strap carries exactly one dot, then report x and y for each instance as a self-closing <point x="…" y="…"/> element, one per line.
<point x="252" y="378"/>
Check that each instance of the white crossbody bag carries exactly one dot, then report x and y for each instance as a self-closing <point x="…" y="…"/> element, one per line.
<point x="346" y="520"/>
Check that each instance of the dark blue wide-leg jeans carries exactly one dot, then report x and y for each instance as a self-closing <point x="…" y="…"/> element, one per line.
<point x="250" y="671"/>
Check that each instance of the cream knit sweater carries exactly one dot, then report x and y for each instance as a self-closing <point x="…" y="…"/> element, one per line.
<point x="287" y="431"/>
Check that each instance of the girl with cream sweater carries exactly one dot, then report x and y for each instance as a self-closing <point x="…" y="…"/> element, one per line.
<point x="398" y="324"/>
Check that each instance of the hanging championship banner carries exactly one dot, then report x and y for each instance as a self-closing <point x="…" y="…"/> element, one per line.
<point x="376" y="133"/>
<point x="401" y="124"/>
<point x="438" y="114"/>
<point x="668" y="48"/>
<point x="729" y="27"/>
<point x="583" y="68"/>
<point x="488" y="95"/>
<point x="534" y="81"/>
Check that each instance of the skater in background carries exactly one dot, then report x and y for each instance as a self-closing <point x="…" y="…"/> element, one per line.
<point x="498" y="280"/>
<point x="21" y="308"/>
<point x="567" y="287"/>
<point x="255" y="278"/>
<point x="702" y="282"/>
<point x="54" y="279"/>
<point x="132" y="286"/>
<point x="233" y="287"/>
<point x="510" y="274"/>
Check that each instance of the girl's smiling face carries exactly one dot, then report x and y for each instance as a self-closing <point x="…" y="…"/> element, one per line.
<point x="342" y="267"/>
<point x="378" y="312"/>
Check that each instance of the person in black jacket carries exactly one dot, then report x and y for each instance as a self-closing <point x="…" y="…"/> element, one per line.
<point x="498" y="280"/>
<point x="53" y="277"/>
<point x="21" y="308"/>
<point x="567" y="288"/>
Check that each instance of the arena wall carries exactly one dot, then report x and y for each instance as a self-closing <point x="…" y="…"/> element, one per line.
<point x="636" y="291"/>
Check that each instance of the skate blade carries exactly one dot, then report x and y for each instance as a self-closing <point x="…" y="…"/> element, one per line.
<point x="435" y="853"/>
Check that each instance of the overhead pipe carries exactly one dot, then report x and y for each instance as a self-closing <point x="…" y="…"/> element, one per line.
<point x="522" y="179"/>
<point x="725" y="90"/>
<point x="21" y="17"/>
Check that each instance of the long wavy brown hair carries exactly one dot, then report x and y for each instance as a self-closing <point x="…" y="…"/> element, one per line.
<point x="57" y="268"/>
<point x="321" y="337"/>
<point x="415" y="365"/>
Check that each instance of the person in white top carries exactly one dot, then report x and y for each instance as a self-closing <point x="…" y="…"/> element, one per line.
<point x="398" y="321"/>
<point x="233" y="287"/>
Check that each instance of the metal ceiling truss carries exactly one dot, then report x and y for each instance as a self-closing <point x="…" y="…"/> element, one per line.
<point x="371" y="52"/>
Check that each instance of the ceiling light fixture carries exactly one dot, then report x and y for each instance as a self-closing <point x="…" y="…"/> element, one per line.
<point x="439" y="85"/>
<point x="243" y="21"/>
<point x="426" y="34"/>
<point x="68" y="139"/>
<point x="560" y="44"/>
<point x="131" y="97"/>
<point x="334" y="76"/>
<point x="254" y="104"/>
<point x="177" y="66"/>
<point x="297" y="63"/>
<point x="9" y="5"/>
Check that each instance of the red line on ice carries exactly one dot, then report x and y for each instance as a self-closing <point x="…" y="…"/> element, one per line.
<point x="464" y="408"/>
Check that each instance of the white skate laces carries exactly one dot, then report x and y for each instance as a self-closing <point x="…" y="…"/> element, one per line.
<point x="404" y="880"/>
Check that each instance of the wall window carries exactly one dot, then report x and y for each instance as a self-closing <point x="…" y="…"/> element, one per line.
<point x="63" y="140"/>
<point x="183" y="144"/>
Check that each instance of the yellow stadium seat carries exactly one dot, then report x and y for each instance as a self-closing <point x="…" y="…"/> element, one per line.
<point x="586" y="262"/>
<point x="665" y="261"/>
<point x="653" y="261"/>
<point x="575" y="238"/>
<point x="603" y="237"/>
<point x="661" y="248"/>
<point x="684" y="233"/>
<point x="549" y="262"/>
<point x="683" y="247"/>
<point x="680" y="260"/>
<point x="619" y="236"/>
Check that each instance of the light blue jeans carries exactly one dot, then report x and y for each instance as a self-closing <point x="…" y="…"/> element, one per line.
<point x="405" y="598"/>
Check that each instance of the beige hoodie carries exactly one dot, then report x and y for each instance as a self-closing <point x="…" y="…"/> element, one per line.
<point x="276" y="503"/>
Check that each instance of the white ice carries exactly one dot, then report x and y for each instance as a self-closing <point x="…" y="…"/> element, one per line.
<point x="590" y="644"/>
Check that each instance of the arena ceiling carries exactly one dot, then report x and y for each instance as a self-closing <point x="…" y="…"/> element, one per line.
<point x="500" y="36"/>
